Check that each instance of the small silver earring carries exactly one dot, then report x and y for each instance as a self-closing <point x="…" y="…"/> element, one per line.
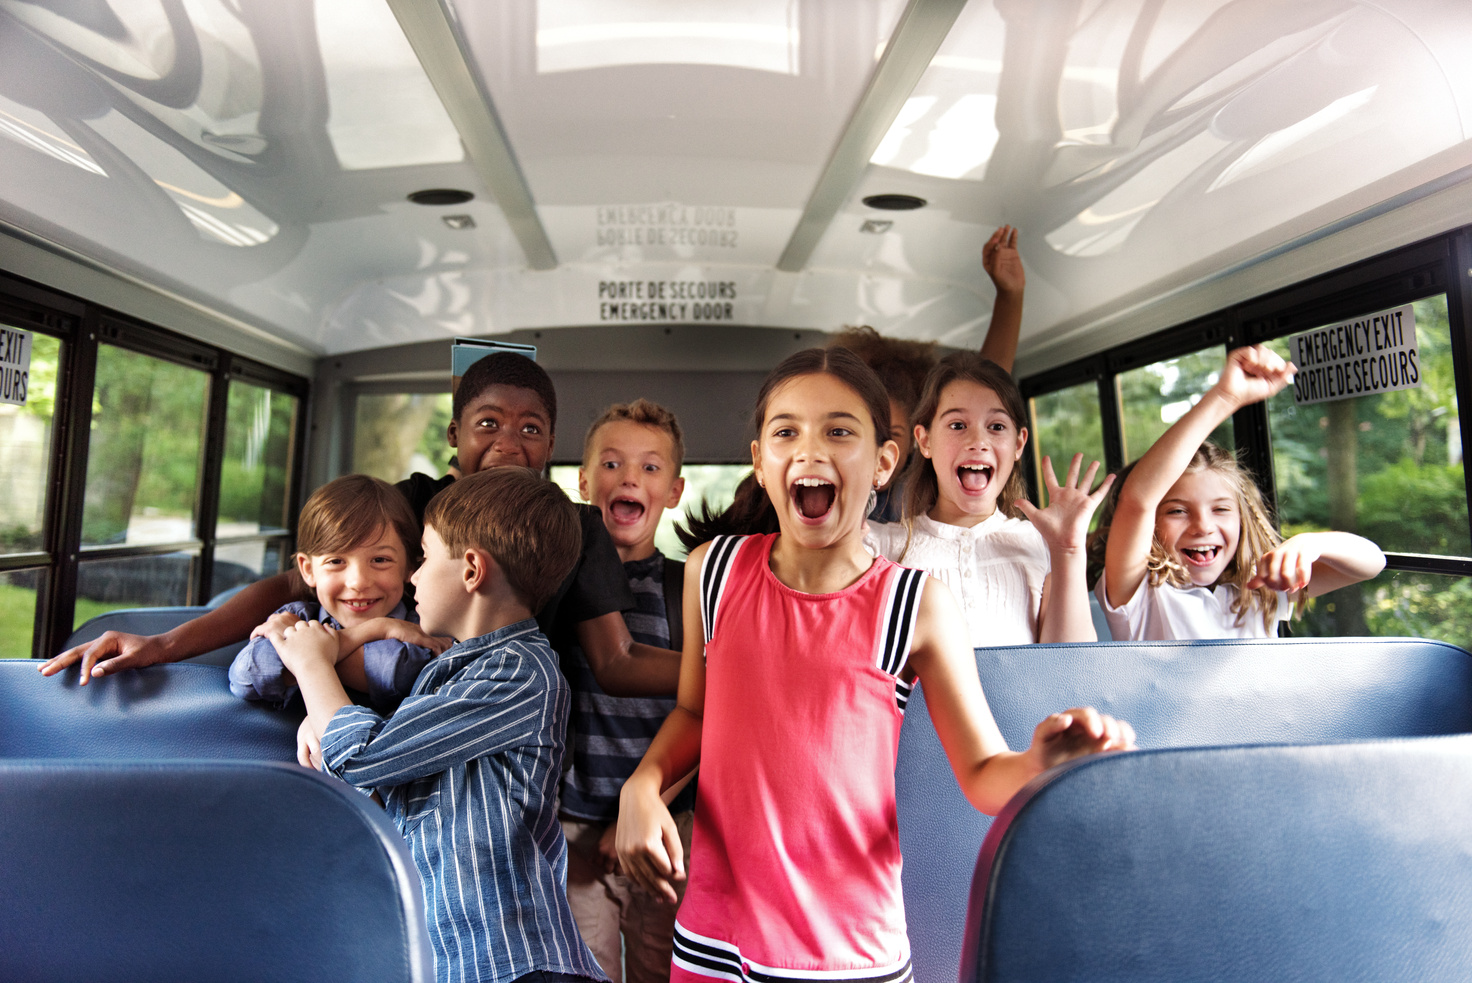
<point x="873" y="500"/>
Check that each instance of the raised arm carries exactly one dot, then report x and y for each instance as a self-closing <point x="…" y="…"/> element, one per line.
<point x="1064" y="525"/>
<point x="1003" y="263"/>
<point x="648" y="843"/>
<point x="232" y="621"/>
<point x="1318" y="562"/>
<point x="1250" y="374"/>
<point x="988" y="773"/>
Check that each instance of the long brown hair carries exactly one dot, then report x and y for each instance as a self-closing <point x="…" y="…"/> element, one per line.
<point x="922" y="488"/>
<point x="751" y="511"/>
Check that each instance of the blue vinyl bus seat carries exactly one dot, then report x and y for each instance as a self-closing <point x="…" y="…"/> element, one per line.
<point x="155" y="621"/>
<point x="1341" y="862"/>
<point x="1176" y="694"/>
<point x="202" y="870"/>
<point x="167" y="711"/>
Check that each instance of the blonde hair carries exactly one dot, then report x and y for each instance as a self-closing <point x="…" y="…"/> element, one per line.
<point x="1258" y="537"/>
<point x="645" y="413"/>
<point x="922" y="488"/>
<point x="347" y="512"/>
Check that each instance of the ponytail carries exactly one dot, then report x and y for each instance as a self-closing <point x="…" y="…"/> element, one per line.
<point x="750" y="512"/>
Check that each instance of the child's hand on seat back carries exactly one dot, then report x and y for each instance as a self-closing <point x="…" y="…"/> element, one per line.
<point x="1074" y="733"/>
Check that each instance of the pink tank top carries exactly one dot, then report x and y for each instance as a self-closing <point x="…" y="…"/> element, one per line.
<point x="795" y="863"/>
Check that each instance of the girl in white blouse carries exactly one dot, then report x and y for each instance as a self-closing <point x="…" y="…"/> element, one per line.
<point x="1017" y="570"/>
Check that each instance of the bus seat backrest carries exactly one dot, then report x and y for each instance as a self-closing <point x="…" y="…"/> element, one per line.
<point x="230" y="870"/>
<point x="168" y="711"/>
<point x="153" y="621"/>
<point x="1327" y="862"/>
<point x="1175" y="694"/>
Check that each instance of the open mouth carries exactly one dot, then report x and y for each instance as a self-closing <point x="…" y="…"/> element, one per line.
<point x="1201" y="556"/>
<point x="974" y="477"/>
<point x="626" y="511"/>
<point x="813" y="497"/>
<point x="358" y="605"/>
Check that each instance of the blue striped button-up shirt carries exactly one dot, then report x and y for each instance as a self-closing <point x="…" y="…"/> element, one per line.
<point x="468" y="768"/>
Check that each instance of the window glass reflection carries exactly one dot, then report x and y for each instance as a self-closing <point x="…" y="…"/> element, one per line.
<point x="1155" y="396"/>
<point x="18" y="611"/>
<point x="148" y="420"/>
<point x="25" y="451"/>
<point x="1387" y="466"/>
<point x="134" y="582"/>
<point x="256" y="474"/>
<point x="1065" y="423"/>
<point x="238" y="564"/>
<point x="398" y="434"/>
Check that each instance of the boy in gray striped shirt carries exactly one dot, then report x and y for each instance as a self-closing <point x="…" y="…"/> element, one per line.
<point x="468" y="764"/>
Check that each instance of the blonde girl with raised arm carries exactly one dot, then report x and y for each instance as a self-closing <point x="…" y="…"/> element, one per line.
<point x="1191" y="550"/>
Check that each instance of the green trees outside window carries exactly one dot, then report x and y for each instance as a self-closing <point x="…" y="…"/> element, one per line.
<point x="1389" y="467"/>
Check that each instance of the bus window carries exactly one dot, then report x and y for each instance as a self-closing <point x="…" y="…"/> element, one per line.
<point x="1387" y="466"/>
<point x="255" y="485"/>
<point x="25" y="456"/>
<point x="712" y="483"/>
<point x="143" y="458"/>
<point x="398" y="434"/>
<point x="1064" y="423"/>
<point x="18" y="611"/>
<point x="1153" y="397"/>
<point x="149" y="581"/>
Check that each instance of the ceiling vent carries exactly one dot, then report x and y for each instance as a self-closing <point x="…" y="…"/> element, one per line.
<point x="440" y="196"/>
<point x="895" y="203"/>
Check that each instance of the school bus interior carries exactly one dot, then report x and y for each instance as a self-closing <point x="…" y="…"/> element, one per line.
<point x="238" y="236"/>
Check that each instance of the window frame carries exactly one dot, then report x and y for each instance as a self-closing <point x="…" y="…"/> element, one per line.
<point x="1439" y="265"/>
<point x="82" y="327"/>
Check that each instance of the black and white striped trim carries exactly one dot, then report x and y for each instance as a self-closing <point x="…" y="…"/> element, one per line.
<point x="713" y="578"/>
<point x="897" y="631"/>
<point x="902" y="691"/>
<point x="722" y="960"/>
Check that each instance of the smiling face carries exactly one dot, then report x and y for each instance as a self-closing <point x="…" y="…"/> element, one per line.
<point x="630" y="475"/>
<point x="503" y="425"/>
<point x="1199" y="522"/>
<point x="817" y="458"/>
<point x="973" y="444"/>
<point x="366" y="581"/>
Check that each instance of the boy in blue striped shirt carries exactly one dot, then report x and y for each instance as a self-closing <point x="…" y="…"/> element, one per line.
<point x="468" y="764"/>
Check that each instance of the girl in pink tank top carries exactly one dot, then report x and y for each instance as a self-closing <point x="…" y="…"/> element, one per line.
<point x="792" y="690"/>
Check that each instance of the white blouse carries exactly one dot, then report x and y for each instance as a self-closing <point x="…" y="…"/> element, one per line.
<point x="1166" y="612"/>
<point x="995" y="569"/>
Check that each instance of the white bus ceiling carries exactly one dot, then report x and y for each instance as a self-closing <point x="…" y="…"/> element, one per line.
<point x="240" y="170"/>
